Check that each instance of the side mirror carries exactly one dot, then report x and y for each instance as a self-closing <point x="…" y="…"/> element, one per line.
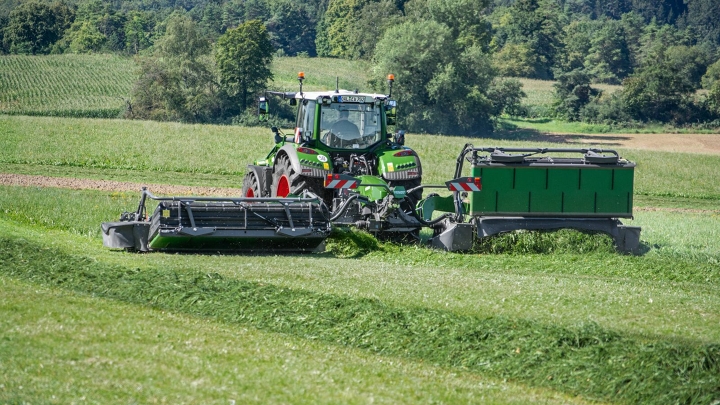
<point x="293" y="101"/>
<point x="400" y="137"/>
<point x="278" y="137"/>
<point x="263" y="108"/>
<point x="390" y="112"/>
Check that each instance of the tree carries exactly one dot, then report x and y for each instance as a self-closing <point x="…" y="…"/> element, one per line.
<point x="34" y="27"/>
<point x="292" y="29"/>
<point x="465" y="18"/>
<point x="372" y="22"/>
<point x="179" y="81"/>
<point x="712" y="75"/>
<point x="703" y="15"/>
<point x="87" y="38"/>
<point x="333" y="37"/>
<point x="441" y="89"/>
<point x="609" y="59"/>
<point x="243" y="57"/>
<point x="137" y="32"/>
<point x="691" y="62"/>
<point x="658" y="91"/>
<point x="537" y="25"/>
<point x="572" y="93"/>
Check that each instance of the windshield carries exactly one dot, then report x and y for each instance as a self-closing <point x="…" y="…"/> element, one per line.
<point x="350" y="126"/>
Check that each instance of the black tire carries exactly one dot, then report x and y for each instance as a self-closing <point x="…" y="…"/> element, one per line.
<point x="287" y="181"/>
<point x="411" y="199"/>
<point x="251" y="185"/>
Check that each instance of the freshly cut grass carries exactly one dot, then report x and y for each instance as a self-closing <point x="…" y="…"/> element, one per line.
<point x="583" y="360"/>
<point x="567" y="283"/>
<point x="61" y="347"/>
<point x="65" y="85"/>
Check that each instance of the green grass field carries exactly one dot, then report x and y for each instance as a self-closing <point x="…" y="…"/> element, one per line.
<point x="557" y="318"/>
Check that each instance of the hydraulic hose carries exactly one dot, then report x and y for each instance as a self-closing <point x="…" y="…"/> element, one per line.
<point x="343" y="207"/>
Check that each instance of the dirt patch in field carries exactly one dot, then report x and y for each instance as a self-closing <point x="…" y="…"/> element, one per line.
<point x="678" y="210"/>
<point x="686" y="143"/>
<point x="8" y="179"/>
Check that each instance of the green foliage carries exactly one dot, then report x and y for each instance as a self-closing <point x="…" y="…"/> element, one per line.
<point x="713" y="98"/>
<point x="507" y="96"/>
<point x="514" y="60"/>
<point x="137" y="35"/>
<point x="658" y="91"/>
<point x="33" y="27"/>
<point x="538" y="26"/>
<point x="444" y="88"/>
<point x="370" y="25"/>
<point x="609" y="58"/>
<point x="712" y="75"/>
<point x="702" y="17"/>
<point x="691" y="63"/>
<point x="572" y="93"/>
<point x="292" y="28"/>
<point x="465" y="18"/>
<point x="243" y="56"/>
<point x="179" y="83"/>
<point x="351" y="28"/>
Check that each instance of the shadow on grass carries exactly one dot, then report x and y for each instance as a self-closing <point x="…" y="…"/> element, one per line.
<point x="510" y="132"/>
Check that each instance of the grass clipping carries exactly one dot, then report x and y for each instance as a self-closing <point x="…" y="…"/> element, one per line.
<point x="555" y="241"/>
<point x="584" y="360"/>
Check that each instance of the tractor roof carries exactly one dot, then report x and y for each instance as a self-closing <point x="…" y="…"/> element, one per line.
<point x="314" y="95"/>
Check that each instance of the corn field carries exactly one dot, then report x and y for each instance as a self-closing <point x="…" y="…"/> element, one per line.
<point x="65" y="85"/>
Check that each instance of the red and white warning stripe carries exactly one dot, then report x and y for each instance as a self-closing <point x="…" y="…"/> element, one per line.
<point x="465" y="184"/>
<point x="340" y="181"/>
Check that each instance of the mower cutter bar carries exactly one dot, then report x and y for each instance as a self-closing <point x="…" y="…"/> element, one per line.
<point x="220" y="224"/>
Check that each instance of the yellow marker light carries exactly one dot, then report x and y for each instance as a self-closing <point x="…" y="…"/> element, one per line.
<point x="391" y="168"/>
<point x="391" y="77"/>
<point x="301" y="75"/>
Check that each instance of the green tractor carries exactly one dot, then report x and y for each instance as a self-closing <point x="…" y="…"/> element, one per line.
<point x="342" y="152"/>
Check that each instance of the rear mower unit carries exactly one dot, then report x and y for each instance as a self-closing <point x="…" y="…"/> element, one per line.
<point x="583" y="189"/>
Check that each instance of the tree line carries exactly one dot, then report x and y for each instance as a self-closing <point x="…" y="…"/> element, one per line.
<point x="449" y="55"/>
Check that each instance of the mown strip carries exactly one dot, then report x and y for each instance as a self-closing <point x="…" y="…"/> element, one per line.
<point x="586" y="360"/>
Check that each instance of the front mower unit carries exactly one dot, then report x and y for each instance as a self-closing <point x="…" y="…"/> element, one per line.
<point x="221" y="224"/>
<point x="536" y="191"/>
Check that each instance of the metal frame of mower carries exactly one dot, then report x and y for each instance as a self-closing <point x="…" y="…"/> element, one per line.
<point x="221" y="224"/>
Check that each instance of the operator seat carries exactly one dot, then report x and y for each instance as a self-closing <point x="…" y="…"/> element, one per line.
<point x="342" y="133"/>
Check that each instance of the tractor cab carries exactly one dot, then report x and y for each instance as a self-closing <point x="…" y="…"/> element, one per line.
<point x="342" y="121"/>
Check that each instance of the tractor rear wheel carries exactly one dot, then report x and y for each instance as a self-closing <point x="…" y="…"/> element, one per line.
<point x="287" y="181"/>
<point x="251" y="185"/>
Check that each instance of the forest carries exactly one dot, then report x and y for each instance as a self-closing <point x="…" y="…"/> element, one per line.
<point x="455" y="59"/>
